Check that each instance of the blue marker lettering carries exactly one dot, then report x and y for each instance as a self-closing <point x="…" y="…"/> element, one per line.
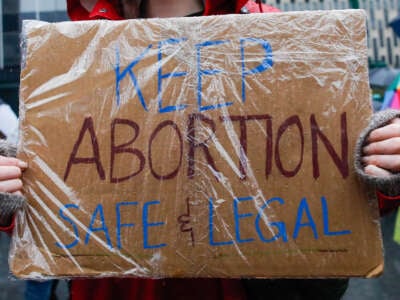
<point x="303" y="207"/>
<point x="201" y="73"/>
<point x="128" y="70"/>
<point x="266" y="63"/>
<point x="99" y="211"/>
<point x="211" y="226"/>
<point x="325" y="216"/>
<point x="75" y="228"/>
<point x="238" y="216"/>
<point x="282" y="233"/>
<point x="146" y="226"/>
<point x="162" y="76"/>
<point x="119" y="224"/>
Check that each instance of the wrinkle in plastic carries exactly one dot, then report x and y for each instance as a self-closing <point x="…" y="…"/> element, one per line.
<point x="195" y="147"/>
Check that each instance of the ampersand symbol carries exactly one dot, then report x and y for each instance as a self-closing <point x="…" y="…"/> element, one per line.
<point x="184" y="221"/>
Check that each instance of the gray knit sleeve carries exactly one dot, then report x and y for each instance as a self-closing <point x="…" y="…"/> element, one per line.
<point x="7" y="149"/>
<point x="390" y="186"/>
<point x="9" y="203"/>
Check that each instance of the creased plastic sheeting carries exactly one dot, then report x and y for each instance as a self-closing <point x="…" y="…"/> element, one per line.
<point x="195" y="147"/>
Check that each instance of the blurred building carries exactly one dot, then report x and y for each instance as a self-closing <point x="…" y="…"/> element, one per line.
<point x="383" y="45"/>
<point x="12" y="14"/>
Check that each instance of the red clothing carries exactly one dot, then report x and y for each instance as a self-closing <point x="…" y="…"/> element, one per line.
<point x="106" y="9"/>
<point x="163" y="289"/>
<point x="10" y="228"/>
<point x="387" y="203"/>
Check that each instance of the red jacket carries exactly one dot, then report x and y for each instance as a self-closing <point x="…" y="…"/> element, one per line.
<point x="163" y="289"/>
<point x="106" y="9"/>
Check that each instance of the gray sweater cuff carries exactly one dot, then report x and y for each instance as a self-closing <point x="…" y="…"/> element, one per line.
<point x="7" y="149"/>
<point x="9" y="204"/>
<point x="390" y="186"/>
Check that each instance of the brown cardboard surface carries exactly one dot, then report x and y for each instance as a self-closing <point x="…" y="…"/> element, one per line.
<point x="196" y="147"/>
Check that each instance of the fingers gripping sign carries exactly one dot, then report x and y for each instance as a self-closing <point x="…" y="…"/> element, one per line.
<point x="11" y="161"/>
<point x="10" y="186"/>
<point x="391" y="130"/>
<point x="10" y="173"/>
<point x="382" y="153"/>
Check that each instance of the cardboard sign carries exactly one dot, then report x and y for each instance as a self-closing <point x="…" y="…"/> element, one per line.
<point x="196" y="147"/>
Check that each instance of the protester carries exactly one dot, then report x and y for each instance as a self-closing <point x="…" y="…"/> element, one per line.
<point x="377" y="161"/>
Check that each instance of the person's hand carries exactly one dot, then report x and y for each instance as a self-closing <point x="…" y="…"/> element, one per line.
<point x="10" y="174"/>
<point x="381" y="155"/>
<point x="10" y="187"/>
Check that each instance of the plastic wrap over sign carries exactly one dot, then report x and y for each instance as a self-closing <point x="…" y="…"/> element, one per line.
<point x="195" y="147"/>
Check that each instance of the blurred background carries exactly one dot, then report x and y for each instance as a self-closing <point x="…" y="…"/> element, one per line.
<point x="384" y="69"/>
